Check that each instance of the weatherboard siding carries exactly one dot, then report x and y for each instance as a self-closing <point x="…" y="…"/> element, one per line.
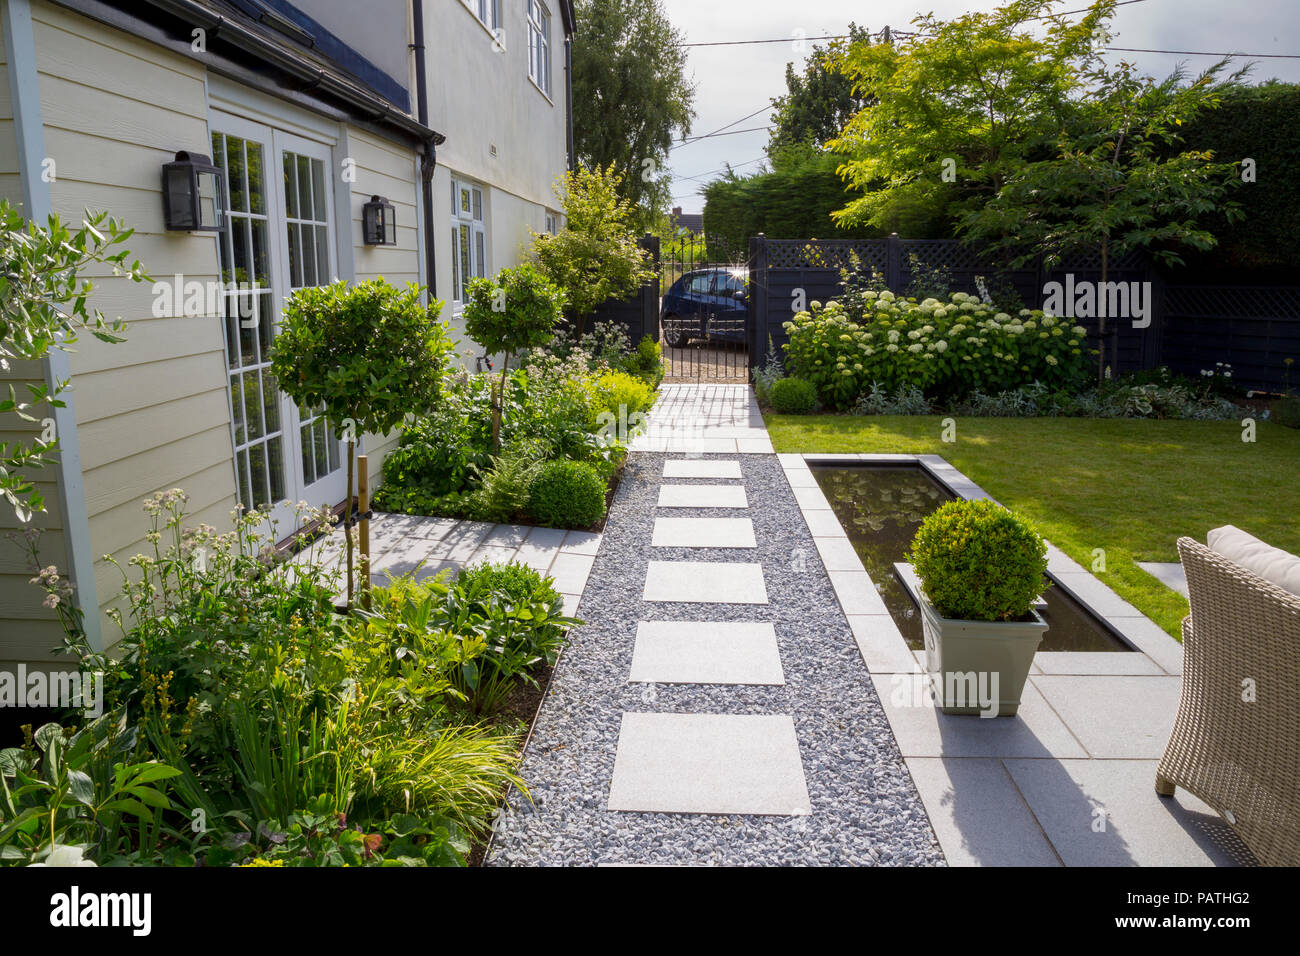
<point x="153" y="411"/>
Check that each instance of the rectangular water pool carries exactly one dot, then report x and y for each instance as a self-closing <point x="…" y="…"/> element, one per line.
<point x="881" y="506"/>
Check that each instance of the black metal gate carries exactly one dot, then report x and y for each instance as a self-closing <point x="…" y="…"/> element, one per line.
<point x="703" y="311"/>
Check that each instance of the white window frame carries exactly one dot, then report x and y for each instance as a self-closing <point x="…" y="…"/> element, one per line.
<point x="471" y="222"/>
<point x="329" y="488"/>
<point x="488" y="13"/>
<point x="539" y="45"/>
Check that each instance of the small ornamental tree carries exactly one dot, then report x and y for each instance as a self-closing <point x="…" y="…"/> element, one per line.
<point x="43" y="306"/>
<point x="595" y="256"/>
<point x="517" y="310"/>
<point x="367" y="354"/>
<point x="1121" y="180"/>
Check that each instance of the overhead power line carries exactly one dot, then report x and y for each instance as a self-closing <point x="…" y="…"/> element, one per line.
<point x="1272" y="56"/>
<point x="721" y="169"/>
<point x="896" y="33"/>
<point x="731" y="132"/>
<point x="762" y="109"/>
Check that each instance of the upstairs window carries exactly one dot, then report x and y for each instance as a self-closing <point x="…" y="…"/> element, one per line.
<point x="539" y="45"/>
<point x="489" y="12"/>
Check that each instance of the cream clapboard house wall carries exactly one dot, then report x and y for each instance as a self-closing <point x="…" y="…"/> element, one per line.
<point x="384" y="169"/>
<point x="505" y="134"/>
<point x="153" y="413"/>
<point x="29" y="629"/>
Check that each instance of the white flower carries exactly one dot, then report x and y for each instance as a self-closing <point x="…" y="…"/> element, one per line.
<point x="893" y="335"/>
<point x="915" y="347"/>
<point x="1051" y="360"/>
<point x="62" y="854"/>
<point x="941" y="346"/>
<point x="1002" y="317"/>
<point x="887" y="296"/>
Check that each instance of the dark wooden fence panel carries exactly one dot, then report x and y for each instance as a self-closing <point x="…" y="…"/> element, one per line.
<point x="1254" y="328"/>
<point x="639" y="314"/>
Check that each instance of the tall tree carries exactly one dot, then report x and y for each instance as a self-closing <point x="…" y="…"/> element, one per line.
<point x="820" y="99"/>
<point x="1120" y="179"/>
<point x="960" y="105"/>
<point x="631" y="96"/>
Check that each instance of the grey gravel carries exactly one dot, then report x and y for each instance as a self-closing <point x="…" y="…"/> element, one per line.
<point x="865" y="809"/>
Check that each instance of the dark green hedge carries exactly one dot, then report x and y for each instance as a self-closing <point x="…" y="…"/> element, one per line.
<point x="794" y="201"/>
<point x="1261" y="122"/>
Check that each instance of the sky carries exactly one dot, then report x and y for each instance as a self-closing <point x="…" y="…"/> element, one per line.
<point x="732" y="81"/>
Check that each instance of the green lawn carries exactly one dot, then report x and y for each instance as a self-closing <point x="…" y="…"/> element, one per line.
<point x="1131" y="487"/>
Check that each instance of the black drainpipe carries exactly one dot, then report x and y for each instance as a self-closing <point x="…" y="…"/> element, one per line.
<point x="430" y="157"/>
<point x="568" y="97"/>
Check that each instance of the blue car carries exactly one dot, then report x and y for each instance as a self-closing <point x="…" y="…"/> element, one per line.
<point x="710" y="304"/>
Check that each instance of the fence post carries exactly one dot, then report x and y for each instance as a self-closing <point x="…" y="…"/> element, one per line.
<point x="757" y="301"/>
<point x="650" y="293"/>
<point x="1153" y="336"/>
<point x="894" y="263"/>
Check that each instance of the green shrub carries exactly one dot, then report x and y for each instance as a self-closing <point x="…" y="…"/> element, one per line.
<point x="907" y="400"/>
<point x="622" y="395"/>
<point x="443" y="450"/>
<point x="793" y="396"/>
<point x="567" y="494"/>
<point x="977" y="561"/>
<point x="517" y="310"/>
<point x="518" y="582"/>
<point x="269" y="709"/>
<point x="647" y="362"/>
<point x="771" y="372"/>
<point x="947" y="349"/>
<point x="1287" y="412"/>
<point x="503" y="496"/>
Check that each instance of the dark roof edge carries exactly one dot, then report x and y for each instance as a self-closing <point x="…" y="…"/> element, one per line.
<point x="356" y="102"/>
<point x="568" y="18"/>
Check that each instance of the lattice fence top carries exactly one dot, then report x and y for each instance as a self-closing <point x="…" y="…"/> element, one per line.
<point x="1233" y="301"/>
<point x="826" y="253"/>
<point x="936" y="253"/>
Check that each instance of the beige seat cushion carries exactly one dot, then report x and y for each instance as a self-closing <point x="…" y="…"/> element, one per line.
<point x="1272" y="564"/>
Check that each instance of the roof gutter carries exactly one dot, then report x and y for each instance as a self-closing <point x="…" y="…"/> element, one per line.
<point x="366" y="105"/>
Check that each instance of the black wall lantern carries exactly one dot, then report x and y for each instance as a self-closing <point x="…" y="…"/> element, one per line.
<point x="379" y="222"/>
<point x="193" y="193"/>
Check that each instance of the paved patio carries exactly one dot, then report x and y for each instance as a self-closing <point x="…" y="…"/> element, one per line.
<point x="730" y="630"/>
<point x="424" y="547"/>
<point x="1070" y="779"/>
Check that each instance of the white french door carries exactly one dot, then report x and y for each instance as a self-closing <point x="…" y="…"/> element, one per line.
<point x="278" y="237"/>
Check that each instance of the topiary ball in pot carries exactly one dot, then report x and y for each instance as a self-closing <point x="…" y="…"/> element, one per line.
<point x="793" y="396"/>
<point x="979" y="562"/>
<point x="567" y="494"/>
<point x="981" y="567"/>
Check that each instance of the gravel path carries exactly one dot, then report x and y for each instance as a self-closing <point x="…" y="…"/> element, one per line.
<point x="865" y="809"/>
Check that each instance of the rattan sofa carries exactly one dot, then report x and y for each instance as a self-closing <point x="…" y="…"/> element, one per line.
<point x="1236" y="740"/>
